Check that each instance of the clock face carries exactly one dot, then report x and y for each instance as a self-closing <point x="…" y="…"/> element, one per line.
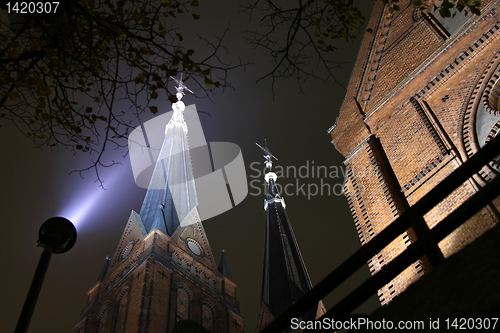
<point x="194" y="247"/>
<point x="127" y="250"/>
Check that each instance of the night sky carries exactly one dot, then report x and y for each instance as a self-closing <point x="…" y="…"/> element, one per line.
<point x="36" y="185"/>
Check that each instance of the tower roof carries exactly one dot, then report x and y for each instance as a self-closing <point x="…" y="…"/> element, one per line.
<point x="285" y="278"/>
<point x="224" y="267"/>
<point x="171" y="194"/>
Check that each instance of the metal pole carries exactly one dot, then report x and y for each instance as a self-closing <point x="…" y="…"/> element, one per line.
<point x="32" y="297"/>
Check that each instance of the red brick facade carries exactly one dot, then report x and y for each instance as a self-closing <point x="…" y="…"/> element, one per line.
<point x="410" y="117"/>
<point x="154" y="281"/>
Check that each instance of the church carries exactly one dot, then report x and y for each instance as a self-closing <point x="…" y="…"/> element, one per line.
<point x="422" y="100"/>
<point x="164" y="277"/>
<point x="406" y="123"/>
<point x="163" y="271"/>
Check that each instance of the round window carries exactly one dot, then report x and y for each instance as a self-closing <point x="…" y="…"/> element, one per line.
<point x="127" y="250"/>
<point x="194" y="247"/>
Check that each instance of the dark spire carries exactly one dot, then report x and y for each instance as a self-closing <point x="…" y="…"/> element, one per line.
<point x="285" y="278"/>
<point x="224" y="267"/>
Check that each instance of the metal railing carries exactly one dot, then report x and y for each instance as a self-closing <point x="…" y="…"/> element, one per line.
<point x="426" y="244"/>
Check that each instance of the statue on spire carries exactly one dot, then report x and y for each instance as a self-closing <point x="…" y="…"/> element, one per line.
<point x="179" y="106"/>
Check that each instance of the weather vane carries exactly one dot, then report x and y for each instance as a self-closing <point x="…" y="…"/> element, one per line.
<point x="180" y="87"/>
<point x="268" y="155"/>
<point x="266" y="151"/>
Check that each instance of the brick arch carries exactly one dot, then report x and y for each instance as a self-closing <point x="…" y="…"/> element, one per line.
<point x="208" y="322"/>
<point x="185" y="287"/>
<point x="123" y="296"/>
<point x="493" y="84"/>
<point x="184" y="263"/>
<point x="493" y="133"/>
<point x="137" y="257"/>
<point x="103" y="319"/>
<point x="187" y="312"/>
<point x="121" y="311"/>
<point x="174" y="257"/>
<point x="209" y="303"/>
<point x="467" y="125"/>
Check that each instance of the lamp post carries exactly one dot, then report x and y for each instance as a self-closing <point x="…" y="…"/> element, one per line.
<point x="56" y="235"/>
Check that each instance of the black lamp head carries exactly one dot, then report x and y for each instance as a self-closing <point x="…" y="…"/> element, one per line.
<point x="57" y="235"/>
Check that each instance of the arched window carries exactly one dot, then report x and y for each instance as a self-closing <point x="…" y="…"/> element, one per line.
<point x="207" y="318"/>
<point x="122" y="310"/>
<point x="182" y="311"/>
<point x="102" y="321"/>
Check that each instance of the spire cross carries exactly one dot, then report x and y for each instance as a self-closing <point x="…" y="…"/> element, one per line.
<point x="268" y="155"/>
<point x="269" y="163"/>
<point x="180" y="87"/>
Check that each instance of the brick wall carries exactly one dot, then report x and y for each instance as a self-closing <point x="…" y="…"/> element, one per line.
<point x="139" y="292"/>
<point x="408" y="121"/>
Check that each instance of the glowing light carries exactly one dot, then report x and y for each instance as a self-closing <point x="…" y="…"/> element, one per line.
<point x="79" y="208"/>
<point x="88" y="198"/>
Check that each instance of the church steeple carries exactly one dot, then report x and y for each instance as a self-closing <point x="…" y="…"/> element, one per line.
<point x="163" y="271"/>
<point x="285" y="278"/>
<point x="171" y="193"/>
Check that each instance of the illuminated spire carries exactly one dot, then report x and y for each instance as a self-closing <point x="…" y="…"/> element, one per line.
<point x="171" y="193"/>
<point x="285" y="278"/>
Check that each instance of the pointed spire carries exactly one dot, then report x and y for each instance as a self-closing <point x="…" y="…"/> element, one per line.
<point x="224" y="267"/>
<point x="171" y="193"/>
<point x="285" y="278"/>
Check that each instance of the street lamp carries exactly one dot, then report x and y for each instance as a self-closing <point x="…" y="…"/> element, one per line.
<point x="56" y="235"/>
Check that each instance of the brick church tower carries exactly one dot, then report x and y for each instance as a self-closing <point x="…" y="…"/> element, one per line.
<point x="163" y="270"/>
<point x="422" y="99"/>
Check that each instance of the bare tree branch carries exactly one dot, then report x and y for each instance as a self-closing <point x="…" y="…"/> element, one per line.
<point x="301" y="36"/>
<point x="66" y="77"/>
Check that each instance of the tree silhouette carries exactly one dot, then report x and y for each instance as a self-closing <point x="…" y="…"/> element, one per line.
<point x="63" y="74"/>
<point x="303" y="32"/>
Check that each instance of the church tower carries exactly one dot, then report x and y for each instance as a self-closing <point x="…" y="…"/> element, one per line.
<point x="422" y="99"/>
<point x="163" y="270"/>
<point x="285" y="278"/>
